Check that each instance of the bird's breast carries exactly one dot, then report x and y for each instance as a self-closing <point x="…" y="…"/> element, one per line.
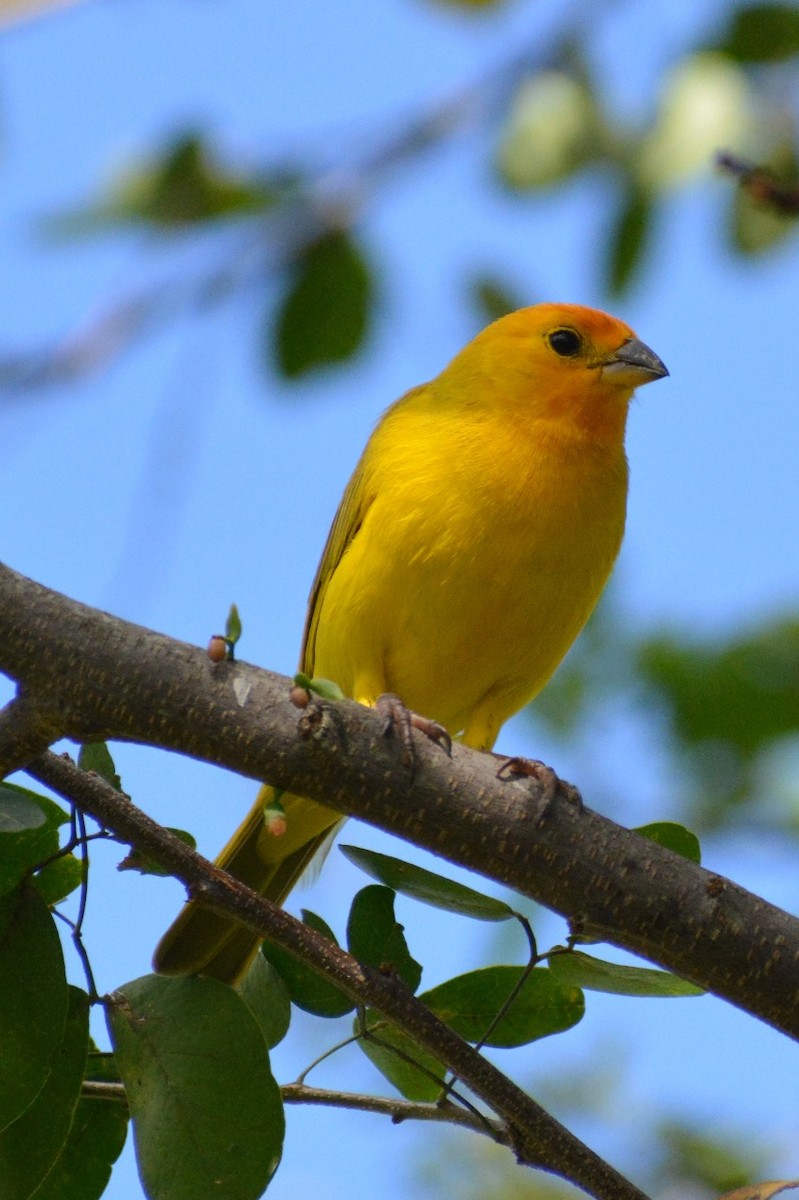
<point x="475" y="568"/>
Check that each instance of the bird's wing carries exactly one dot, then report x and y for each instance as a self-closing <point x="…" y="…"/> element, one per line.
<point x="359" y="495"/>
<point x="355" y="503"/>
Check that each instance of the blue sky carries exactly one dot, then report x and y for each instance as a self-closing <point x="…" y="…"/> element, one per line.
<point x="184" y="478"/>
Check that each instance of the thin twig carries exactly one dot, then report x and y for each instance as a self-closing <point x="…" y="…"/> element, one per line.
<point x="397" y="1110"/>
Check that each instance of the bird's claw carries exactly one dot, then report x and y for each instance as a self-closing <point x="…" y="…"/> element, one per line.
<point x="434" y="731"/>
<point x="549" y="785"/>
<point x="399" y="719"/>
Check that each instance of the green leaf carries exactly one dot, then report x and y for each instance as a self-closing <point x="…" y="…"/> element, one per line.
<point x="325" y="314"/>
<point x="762" y="33"/>
<point x="59" y="878"/>
<point x="137" y="861"/>
<point x="428" y="887"/>
<point x="581" y="970"/>
<point x="95" y="1142"/>
<point x="33" y="999"/>
<point x="32" y="1144"/>
<point x="716" y="1164"/>
<point x="29" y="826"/>
<point x="629" y="239"/>
<point x="469" y="1003"/>
<point x="309" y="990"/>
<point x="755" y="226"/>
<point x="265" y="993"/>
<point x="727" y="702"/>
<point x="186" y="183"/>
<point x="554" y="127"/>
<point x="674" y="837"/>
<point x="233" y="626"/>
<point x="207" y="1113"/>
<point x="19" y="810"/>
<point x="375" y="937"/>
<point x="744" y="689"/>
<point x="54" y="814"/>
<point x="95" y="756"/>
<point x="325" y="688"/>
<point x="413" y="1071"/>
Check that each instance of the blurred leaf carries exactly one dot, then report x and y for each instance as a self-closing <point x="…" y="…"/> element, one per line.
<point x="761" y="1191"/>
<point x="31" y="1145"/>
<point x="309" y="990"/>
<point x="553" y="128"/>
<point x="674" y="837"/>
<point x="265" y="993"/>
<point x="95" y="756"/>
<point x="762" y="33"/>
<point x="755" y="226"/>
<point x="325" y="315"/>
<point x="706" y="102"/>
<point x="413" y="1071"/>
<point x="207" y="1113"/>
<point x="629" y="239"/>
<point x="185" y="184"/>
<point x="469" y="1003"/>
<point x="137" y="861"/>
<point x="23" y="10"/>
<point x="728" y="703"/>
<point x="492" y="298"/>
<point x="59" y="878"/>
<point x="375" y="937"/>
<point x="714" y="1164"/>
<point x="581" y="970"/>
<point x="427" y="887"/>
<point x="744" y="691"/>
<point x="33" y="999"/>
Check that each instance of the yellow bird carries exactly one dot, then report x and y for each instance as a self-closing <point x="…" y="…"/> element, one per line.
<point x="470" y="547"/>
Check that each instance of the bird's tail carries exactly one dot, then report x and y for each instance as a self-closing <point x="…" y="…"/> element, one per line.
<point x="201" y="941"/>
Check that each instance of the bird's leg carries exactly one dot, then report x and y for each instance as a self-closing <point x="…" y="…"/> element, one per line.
<point x="399" y="719"/>
<point x="548" y="785"/>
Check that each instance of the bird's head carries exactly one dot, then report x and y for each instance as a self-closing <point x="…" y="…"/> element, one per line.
<point x="572" y="364"/>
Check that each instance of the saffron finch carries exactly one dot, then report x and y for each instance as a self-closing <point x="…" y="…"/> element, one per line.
<point x="470" y="547"/>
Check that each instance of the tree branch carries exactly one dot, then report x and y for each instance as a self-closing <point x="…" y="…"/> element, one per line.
<point x="397" y="1110"/>
<point x="537" y="1138"/>
<point x="609" y="881"/>
<point x="300" y="1093"/>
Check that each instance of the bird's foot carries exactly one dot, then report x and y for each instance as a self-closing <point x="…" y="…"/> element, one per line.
<point x="549" y="786"/>
<point x="401" y="720"/>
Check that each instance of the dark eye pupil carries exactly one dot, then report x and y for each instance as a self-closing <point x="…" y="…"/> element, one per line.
<point x="565" y="342"/>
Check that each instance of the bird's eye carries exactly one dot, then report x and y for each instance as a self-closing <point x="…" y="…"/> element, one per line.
<point x="565" y="342"/>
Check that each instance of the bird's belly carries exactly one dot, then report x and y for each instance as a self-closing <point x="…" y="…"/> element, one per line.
<point x="451" y="613"/>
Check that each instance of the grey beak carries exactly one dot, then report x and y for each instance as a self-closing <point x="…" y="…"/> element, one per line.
<point x="634" y="364"/>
